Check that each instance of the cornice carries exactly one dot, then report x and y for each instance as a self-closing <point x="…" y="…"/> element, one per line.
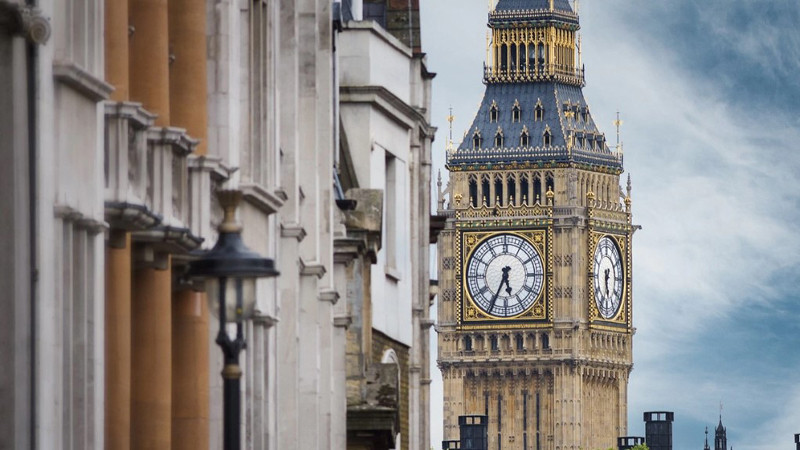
<point x="384" y="99"/>
<point x="266" y="201"/>
<point x="72" y="75"/>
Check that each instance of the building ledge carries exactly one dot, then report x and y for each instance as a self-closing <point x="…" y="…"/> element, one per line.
<point x="77" y="78"/>
<point x="267" y="201"/>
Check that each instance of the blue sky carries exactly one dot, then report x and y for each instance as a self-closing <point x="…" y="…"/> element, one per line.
<point x="709" y="93"/>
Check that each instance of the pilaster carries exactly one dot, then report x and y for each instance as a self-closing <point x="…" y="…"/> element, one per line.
<point x="151" y="387"/>
<point x="117" y="54"/>
<point x="190" y="354"/>
<point x="187" y="69"/>
<point x="149" y="57"/>
<point x="118" y="341"/>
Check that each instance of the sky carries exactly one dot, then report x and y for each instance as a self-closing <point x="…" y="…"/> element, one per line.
<point x="708" y="92"/>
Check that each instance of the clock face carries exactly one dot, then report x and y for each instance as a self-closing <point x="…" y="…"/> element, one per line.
<point x="608" y="281"/>
<point x="504" y="275"/>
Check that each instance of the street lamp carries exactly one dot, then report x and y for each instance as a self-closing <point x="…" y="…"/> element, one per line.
<point x="230" y="270"/>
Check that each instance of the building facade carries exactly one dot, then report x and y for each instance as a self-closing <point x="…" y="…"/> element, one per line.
<point x="535" y="270"/>
<point x="385" y="166"/>
<point x="120" y="120"/>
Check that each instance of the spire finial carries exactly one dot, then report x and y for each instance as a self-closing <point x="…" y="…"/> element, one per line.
<point x="450" y="119"/>
<point x="629" y="185"/>
<point x="617" y="124"/>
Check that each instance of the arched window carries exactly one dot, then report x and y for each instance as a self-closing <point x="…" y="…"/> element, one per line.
<point x="473" y="191"/>
<point x="547" y="138"/>
<point x="498" y="189"/>
<point x="476" y="140"/>
<point x="524" y="138"/>
<point x="523" y="57"/>
<point x="538" y="114"/>
<point x="511" y="188"/>
<point x="532" y="56"/>
<point x="542" y="52"/>
<point x="520" y="342"/>
<point x="493" y="113"/>
<point x="498" y="138"/>
<point x="485" y="190"/>
<point x="467" y="344"/>
<point x="516" y="112"/>
<point x="545" y="341"/>
<point x="513" y="62"/>
<point x="494" y="344"/>
<point x="523" y="187"/>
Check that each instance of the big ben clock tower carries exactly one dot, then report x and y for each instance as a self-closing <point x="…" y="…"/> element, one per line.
<point x="535" y="307"/>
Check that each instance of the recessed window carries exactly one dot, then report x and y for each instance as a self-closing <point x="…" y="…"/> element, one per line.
<point x="476" y="141"/>
<point x="473" y="191"/>
<point x="539" y="112"/>
<point x="493" y="113"/>
<point x="524" y="138"/>
<point x="547" y="138"/>
<point x="498" y="139"/>
<point x="498" y="189"/>
<point x="494" y="344"/>
<point x="467" y="344"/>
<point x="520" y="342"/>
<point x="516" y="112"/>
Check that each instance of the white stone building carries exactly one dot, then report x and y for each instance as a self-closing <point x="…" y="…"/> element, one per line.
<point x="120" y="119"/>
<point x="385" y="114"/>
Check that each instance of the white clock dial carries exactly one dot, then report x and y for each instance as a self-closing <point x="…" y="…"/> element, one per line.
<point x="504" y="275"/>
<point x="608" y="279"/>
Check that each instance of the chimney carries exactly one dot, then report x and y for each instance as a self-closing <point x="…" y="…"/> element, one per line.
<point x="658" y="429"/>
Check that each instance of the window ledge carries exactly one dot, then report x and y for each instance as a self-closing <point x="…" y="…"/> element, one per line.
<point x="392" y="273"/>
<point x="269" y="202"/>
<point x="82" y="81"/>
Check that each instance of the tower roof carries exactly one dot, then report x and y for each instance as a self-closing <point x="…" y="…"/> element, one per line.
<point x="510" y="12"/>
<point x="560" y="5"/>
<point x="562" y="113"/>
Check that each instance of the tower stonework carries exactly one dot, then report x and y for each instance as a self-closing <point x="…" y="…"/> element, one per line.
<point x="535" y="263"/>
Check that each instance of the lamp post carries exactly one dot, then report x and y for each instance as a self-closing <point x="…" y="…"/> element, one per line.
<point x="230" y="270"/>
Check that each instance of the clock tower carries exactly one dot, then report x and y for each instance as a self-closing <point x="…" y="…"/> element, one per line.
<point x="535" y="304"/>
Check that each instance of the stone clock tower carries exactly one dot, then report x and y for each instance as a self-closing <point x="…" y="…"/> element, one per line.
<point x="535" y="270"/>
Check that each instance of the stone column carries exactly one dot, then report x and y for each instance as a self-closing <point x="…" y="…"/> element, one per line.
<point x="187" y="72"/>
<point x="190" y="405"/>
<point x="151" y="387"/>
<point x="117" y="50"/>
<point x="149" y="57"/>
<point x="118" y="341"/>
<point x="190" y="329"/>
